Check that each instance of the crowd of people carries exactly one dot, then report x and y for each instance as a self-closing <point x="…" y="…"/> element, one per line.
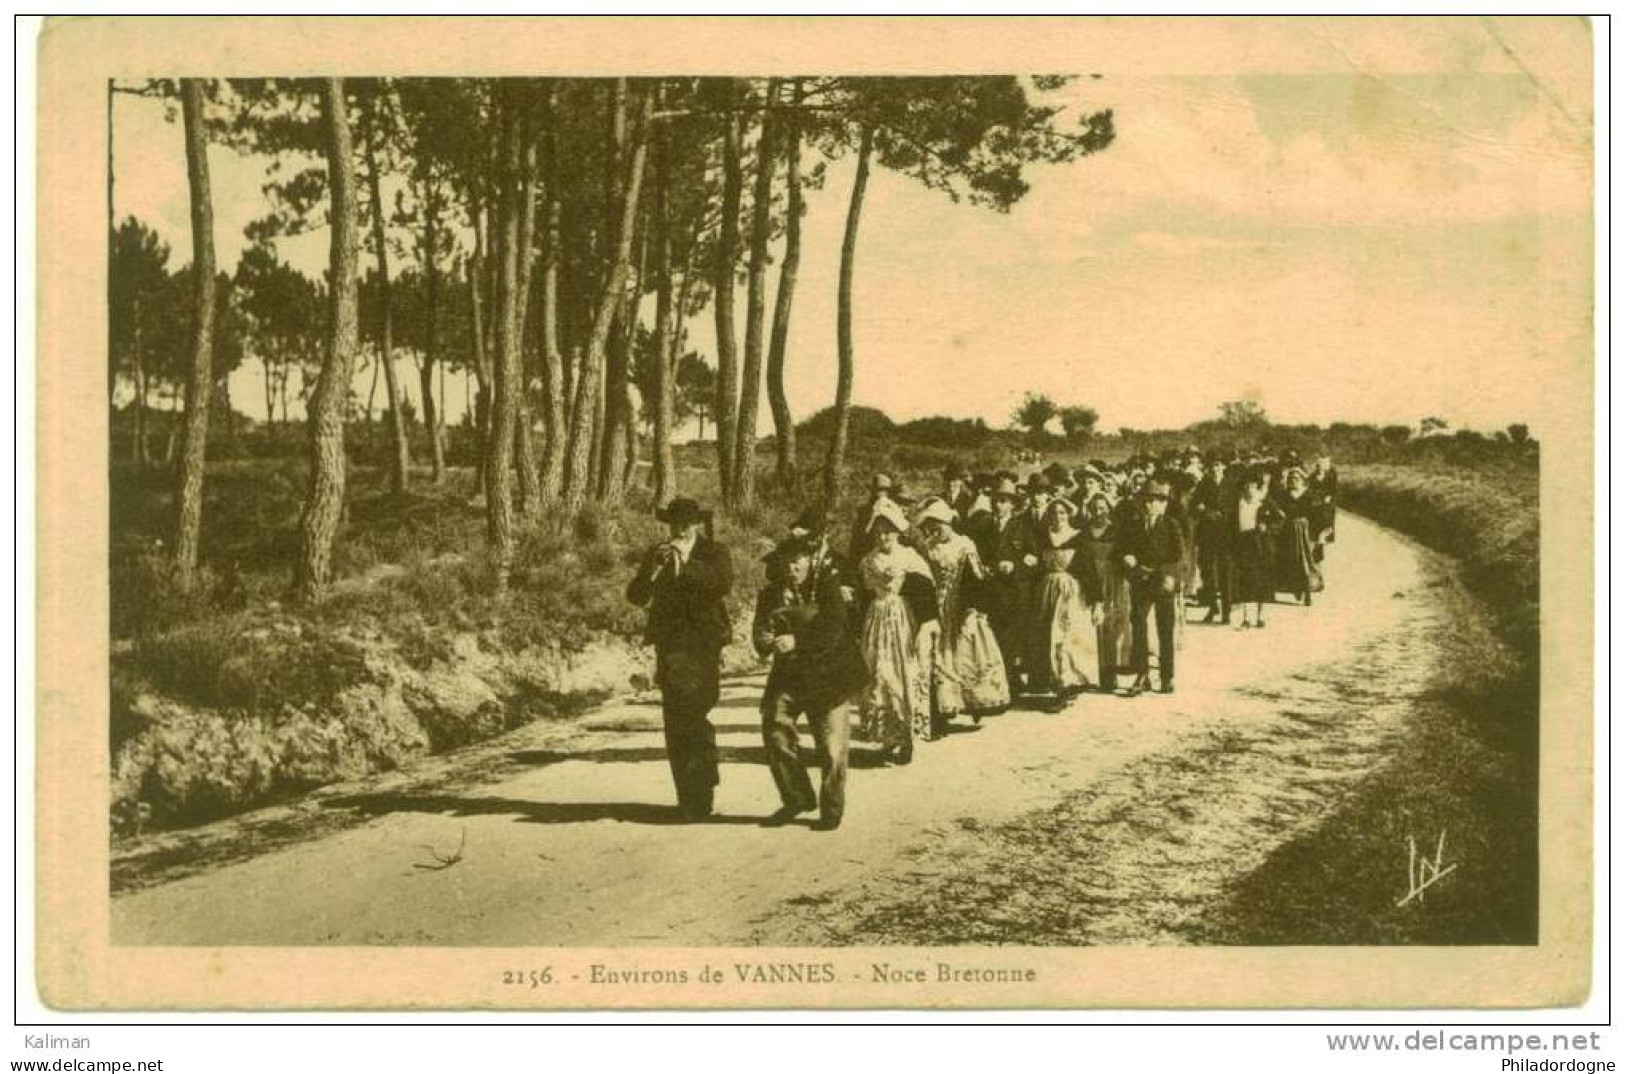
<point x="956" y="602"/>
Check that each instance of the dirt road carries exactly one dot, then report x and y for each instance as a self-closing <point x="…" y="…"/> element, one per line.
<point x="1151" y="806"/>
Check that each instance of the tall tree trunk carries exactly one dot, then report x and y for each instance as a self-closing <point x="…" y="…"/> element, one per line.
<point x="372" y="391"/>
<point x="570" y="373"/>
<point x="600" y="417"/>
<point x="505" y="351"/>
<point x="270" y="397"/>
<point x="632" y="416"/>
<point x="530" y="480"/>
<point x="575" y="298"/>
<point x="665" y="463"/>
<point x="171" y="426"/>
<point x="784" y="424"/>
<point x="750" y="387"/>
<point x="726" y="409"/>
<point x="615" y="355"/>
<point x="620" y="445"/>
<point x="843" y="325"/>
<point x="482" y="360"/>
<point x="270" y="393"/>
<point x="589" y="381"/>
<point x="431" y="285"/>
<point x="553" y="379"/>
<point x="325" y="502"/>
<point x="138" y="405"/>
<point x="222" y="388"/>
<point x="148" y="410"/>
<point x="618" y="358"/>
<point x="200" y="384"/>
<point x="440" y="416"/>
<point x="400" y="463"/>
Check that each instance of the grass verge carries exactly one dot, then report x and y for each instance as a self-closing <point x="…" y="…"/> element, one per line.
<point x="1467" y="763"/>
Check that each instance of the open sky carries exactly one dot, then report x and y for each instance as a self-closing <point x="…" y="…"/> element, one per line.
<point x="1350" y="220"/>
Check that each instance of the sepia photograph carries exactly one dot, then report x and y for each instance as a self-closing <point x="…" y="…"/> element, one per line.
<point x="816" y="512"/>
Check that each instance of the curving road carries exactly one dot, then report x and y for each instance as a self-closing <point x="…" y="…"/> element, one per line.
<point x="560" y="835"/>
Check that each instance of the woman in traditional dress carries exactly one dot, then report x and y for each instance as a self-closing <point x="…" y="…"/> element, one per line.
<point x="1109" y="602"/>
<point x="1297" y="546"/>
<point x="1066" y="624"/>
<point x="1252" y="548"/>
<point x="969" y="675"/>
<point x="1180" y="509"/>
<point x="899" y="637"/>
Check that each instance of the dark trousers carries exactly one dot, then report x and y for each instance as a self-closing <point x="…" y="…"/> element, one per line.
<point x="1216" y="572"/>
<point x="1008" y="614"/>
<point x="1107" y="641"/>
<point x="1008" y="633"/>
<point x="831" y="734"/>
<point x="1145" y="599"/>
<point x="689" y="688"/>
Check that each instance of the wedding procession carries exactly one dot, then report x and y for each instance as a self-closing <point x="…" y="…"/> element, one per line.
<point x="959" y="602"/>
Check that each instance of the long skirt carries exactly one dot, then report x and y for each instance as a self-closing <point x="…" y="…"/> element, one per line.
<point x="895" y="707"/>
<point x="970" y="674"/>
<point x="1188" y="572"/>
<point x="1072" y="646"/>
<point x="1213" y="564"/>
<point x="1254" y="567"/>
<point x="1114" y="638"/>
<point x="1295" y="568"/>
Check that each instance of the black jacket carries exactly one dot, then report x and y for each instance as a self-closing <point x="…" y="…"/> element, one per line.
<point x="1324" y="486"/>
<point x="826" y="667"/>
<point x="1157" y="547"/>
<point x="687" y="611"/>
<point x="1014" y="543"/>
<point x="1001" y="595"/>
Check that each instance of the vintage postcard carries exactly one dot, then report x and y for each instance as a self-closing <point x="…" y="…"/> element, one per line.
<point x="814" y="512"/>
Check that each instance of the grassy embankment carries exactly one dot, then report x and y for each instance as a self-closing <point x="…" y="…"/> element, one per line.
<point x="231" y="697"/>
<point x="1468" y="760"/>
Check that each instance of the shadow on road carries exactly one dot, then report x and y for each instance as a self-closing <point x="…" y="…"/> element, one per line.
<point x="527" y="811"/>
<point x="726" y="703"/>
<point x="751" y="755"/>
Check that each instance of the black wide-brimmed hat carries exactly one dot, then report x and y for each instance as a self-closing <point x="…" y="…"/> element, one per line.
<point x="788" y="549"/>
<point x="1005" y="489"/>
<point x="682" y="512"/>
<point x="811" y="522"/>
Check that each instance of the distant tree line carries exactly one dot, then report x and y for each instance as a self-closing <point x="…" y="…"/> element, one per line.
<point x="1036" y="413"/>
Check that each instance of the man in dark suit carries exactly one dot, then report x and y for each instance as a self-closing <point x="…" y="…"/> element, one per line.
<point x="812" y="527"/>
<point x="1212" y="506"/>
<point x="802" y="623"/>
<point x="1323" y="490"/>
<point x="1004" y="540"/>
<point x="1153" y="550"/>
<point x="1039" y="494"/>
<point x="958" y="492"/>
<point x="684" y="581"/>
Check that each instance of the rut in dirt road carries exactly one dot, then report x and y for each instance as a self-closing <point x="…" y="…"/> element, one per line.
<point x="1139" y="855"/>
<point x="1114" y="821"/>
